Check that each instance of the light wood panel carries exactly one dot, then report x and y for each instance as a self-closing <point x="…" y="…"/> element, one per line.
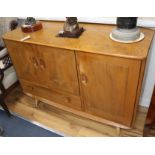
<point x="59" y="97"/>
<point x="23" y="57"/>
<point x="140" y="81"/>
<point x="57" y="69"/>
<point x="48" y="67"/>
<point x="67" y="123"/>
<point x="95" y="40"/>
<point x="91" y="76"/>
<point x="109" y="86"/>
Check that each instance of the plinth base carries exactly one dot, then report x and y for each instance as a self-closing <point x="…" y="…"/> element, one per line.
<point x="74" y="34"/>
<point x="126" y="35"/>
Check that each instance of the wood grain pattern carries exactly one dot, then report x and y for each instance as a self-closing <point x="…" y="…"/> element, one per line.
<point x="92" y="76"/>
<point x="58" y="68"/>
<point x="23" y="57"/>
<point x="139" y="86"/>
<point x="67" y="123"/>
<point x="59" y="97"/>
<point x="48" y="67"/>
<point x="71" y="108"/>
<point x="95" y="40"/>
<point x="109" y="86"/>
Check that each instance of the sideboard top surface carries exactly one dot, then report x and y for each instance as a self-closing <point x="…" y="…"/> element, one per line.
<point x="94" y="40"/>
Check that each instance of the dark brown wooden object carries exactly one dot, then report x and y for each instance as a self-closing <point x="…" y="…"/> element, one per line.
<point x="150" y="119"/>
<point x="7" y="64"/>
<point x="2" y="88"/>
<point x="151" y="112"/>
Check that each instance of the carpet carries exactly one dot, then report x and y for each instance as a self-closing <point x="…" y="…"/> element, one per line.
<point x="18" y="127"/>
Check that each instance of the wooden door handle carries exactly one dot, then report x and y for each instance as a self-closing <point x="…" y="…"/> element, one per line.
<point x="67" y="99"/>
<point x="56" y="81"/>
<point x="84" y="79"/>
<point x="42" y="63"/>
<point x="34" y="61"/>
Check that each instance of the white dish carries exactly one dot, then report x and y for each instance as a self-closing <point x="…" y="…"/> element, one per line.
<point x="133" y="41"/>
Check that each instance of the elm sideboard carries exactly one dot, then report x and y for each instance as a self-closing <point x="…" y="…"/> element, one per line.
<point x="91" y="76"/>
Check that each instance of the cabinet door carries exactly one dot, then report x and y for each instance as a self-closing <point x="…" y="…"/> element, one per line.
<point x="109" y="86"/>
<point x="57" y="69"/>
<point x="23" y="57"/>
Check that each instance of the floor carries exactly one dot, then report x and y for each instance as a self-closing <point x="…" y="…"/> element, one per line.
<point x="15" y="126"/>
<point x="65" y="122"/>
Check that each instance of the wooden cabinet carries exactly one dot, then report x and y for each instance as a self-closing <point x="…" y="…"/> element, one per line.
<point x="91" y="76"/>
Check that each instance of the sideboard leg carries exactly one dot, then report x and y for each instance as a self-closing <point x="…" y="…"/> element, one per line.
<point x="118" y="131"/>
<point x="36" y="102"/>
